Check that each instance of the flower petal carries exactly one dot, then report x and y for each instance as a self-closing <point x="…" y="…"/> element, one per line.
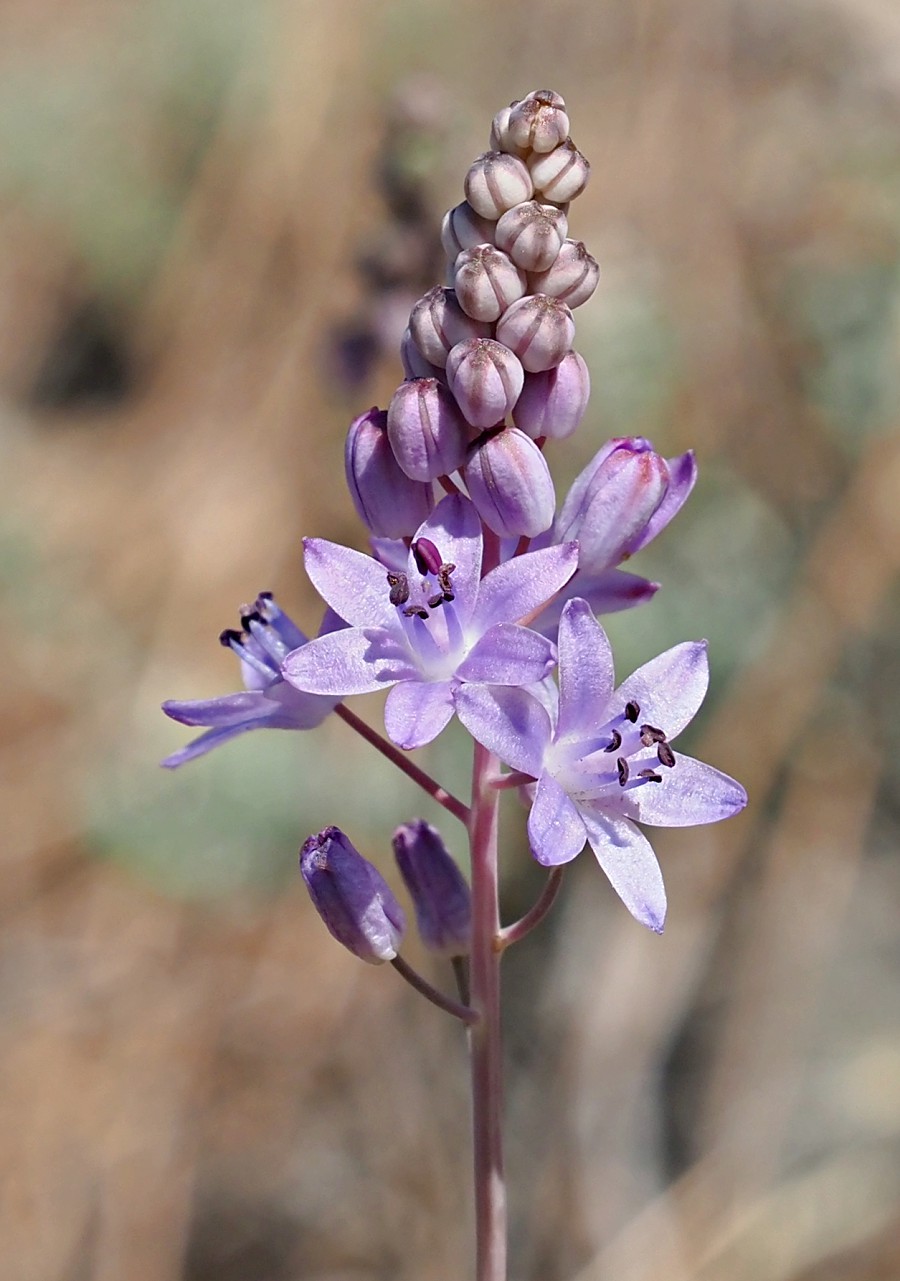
<point x="356" y="660"/>
<point x="416" y="711"/>
<point x="215" y="737"/>
<point x="691" y="793"/>
<point x="229" y="709"/>
<point x="455" y="530"/>
<point x="520" y="586"/>
<point x="354" y="585"/>
<point x="508" y="655"/>
<point x="586" y="675"/>
<point x="508" y="721"/>
<point x="556" y="832"/>
<point x="682" y="476"/>
<point x="607" y="593"/>
<point x="627" y="858"/>
<point x="670" y="688"/>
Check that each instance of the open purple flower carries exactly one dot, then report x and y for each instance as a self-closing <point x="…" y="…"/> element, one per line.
<point x="431" y="628"/>
<point x="607" y="762"/>
<point x="268" y="635"/>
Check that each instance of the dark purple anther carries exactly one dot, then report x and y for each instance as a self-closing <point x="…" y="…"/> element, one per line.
<point x="622" y="770"/>
<point x="632" y="711"/>
<point x="650" y="735"/>
<point x="399" y="585"/>
<point x="428" y="558"/>
<point x="615" y="743"/>
<point x="665" y="755"/>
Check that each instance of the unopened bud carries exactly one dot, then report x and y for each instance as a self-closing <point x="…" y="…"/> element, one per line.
<point x="463" y="227"/>
<point x="561" y="174"/>
<point x="486" y="378"/>
<point x="437" y="323"/>
<point x="389" y="503"/>
<point x="352" y="897"/>
<point x="500" y="139"/>
<point x="552" y="403"/>
<point x="414" y="363"/>
<point x="438" y="889"/>
<point x="532" y="234"/>
<point x="572" y="278"/>
<point x="540" y="330"/>
<point x="427" y="431"/>
<point x="495" y="182"/>
<point x="539" y="121"/>
<point x="487" y="281"/>
<point x="510" y="484"/>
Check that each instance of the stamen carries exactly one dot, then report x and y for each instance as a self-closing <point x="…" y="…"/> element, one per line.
<point x="416" y="611"/>
<point x="632" y="711"/>
<point x="399" y="585"/>
<point x="266" y="596"/>
<point x="650" y="735"/>
<point x="650" y="775"/>
<point x="665" y="755"/>
<point x="616" y="742"/>
<point x="251" y="616"/>
<point x="427" y="557"/>
<point x="434" y="601"/>
<point x="443" y="577"/>
<point x="230" y="636"/>
<point x="622" y="770"/>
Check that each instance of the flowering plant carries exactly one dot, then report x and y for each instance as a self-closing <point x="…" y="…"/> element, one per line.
<point x="484" y="605"/>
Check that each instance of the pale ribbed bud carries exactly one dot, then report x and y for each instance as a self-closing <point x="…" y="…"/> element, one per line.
<point x="414" y="363"/>
<point x="427" y="431"/>
<point x="539" y="330"/>
<point x="487" y="281"/>
<point x="572" y="278"/>
<point x="486" y="378"/>
<point x="552" y="403"/>
<point x="463" y="227"/>
<point x="539" y="121"/>
<point x="389" y="503"/>
<point x="532" y="234"/>
<point x="510" y="484"/>
<point x="495" y="182"/>
<point x="560" y="174"/>
<point x="438" y="322"/>
<point x="500" y="139"/>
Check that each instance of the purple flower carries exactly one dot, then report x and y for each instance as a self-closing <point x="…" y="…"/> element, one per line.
<point x="431" y="628"/>
<point x="268" y="702"/>
<point x="352" y="897"/>
<point x="607" y="761"/>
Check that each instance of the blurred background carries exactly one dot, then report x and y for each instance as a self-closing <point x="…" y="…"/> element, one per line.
<point x="214" y="214"/>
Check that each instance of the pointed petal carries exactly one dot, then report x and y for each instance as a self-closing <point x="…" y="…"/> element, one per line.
<point x="229" y="709"/>
<point x="356" y="660"/>
<point x="586" y="676"/>
<point x="508" y="655"/>
<point x="682" y="476"/>
<point x="416" y="711"/>
<point x="455" y="530"/>
<point x="222" y="734"/>
<point x="670" y="688"/>
<point x="690" y="794"/>
<point x="627" y="858"/>
<point x="354" y="585"/>
<point x="508" y="721"/>
<point x="606" y="593"/>
<point x="556" y="832"/>
<point x="520" y="586"/>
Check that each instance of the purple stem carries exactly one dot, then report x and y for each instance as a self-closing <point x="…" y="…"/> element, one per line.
<point x="415" y="979"/>
<point x="484" y="1037"/>
<point x="535" y="914"/>
<point x="425" y="781"/>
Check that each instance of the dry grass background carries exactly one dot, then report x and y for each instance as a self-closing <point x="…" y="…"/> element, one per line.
<point x="195" y="1083"/>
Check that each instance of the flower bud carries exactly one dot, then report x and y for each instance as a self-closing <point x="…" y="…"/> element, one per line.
<point x="414" y="363"/>
<point x="539" y="121"/>
<point x="438" y="889"/>
<point x="532" y="234"/>
<point x="500" y="139"/>
<point x="552" y="403"/>
<point x="427" y="431"/>
<point x="509" y="482"/>
<point x="495" y="182"/>
<point x="572" y="278"/>
<point x="561" y="174"/>
<point x="538" y="329"/>
<point x="352" y="897"/>
<point x="463" y="227"/>
<point x="389" y="503"/>
<point x="486" y="378"/>
<point x="438" y="322"/>
<point x="486" y="282"/>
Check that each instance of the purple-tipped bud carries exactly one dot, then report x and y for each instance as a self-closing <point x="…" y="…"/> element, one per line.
<point x="389" y="503"/>
<point x="486" y="378"/>
<point x="495" y="182"/>
<point x="463" y="227"/>
<point x="500" y="139"/>
<point x="552" y="403"/>
<point x="438" y="322"/>
<point x="539" y="121"/>
<point x="572" y="278"/>
<point x="427" y="431"/>
<point x="438" y="889"/>
<point x="352" y="897"/>
<point x="561" y="174"/>
<point x="487" y="281"/>
<point x="539" y="330"/>
<point x="510" y="484"/>
<point x="532" y="234"/>
<point x="414" y="363"/>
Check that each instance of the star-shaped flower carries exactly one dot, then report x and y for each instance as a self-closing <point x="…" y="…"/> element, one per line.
<point x="605" y="761"/>
<point x="430" y="629"/>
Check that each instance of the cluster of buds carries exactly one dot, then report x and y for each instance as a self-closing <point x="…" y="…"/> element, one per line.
<point x="489" y="363"/>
